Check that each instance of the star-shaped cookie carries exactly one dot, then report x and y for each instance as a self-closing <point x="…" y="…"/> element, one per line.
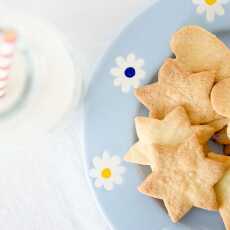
<point x="176" y="87"/>
<point x="198" y="50"/>
<point x="183" y="178"/>
<point x="173" y="130"/>
<point x="222" y="189"/>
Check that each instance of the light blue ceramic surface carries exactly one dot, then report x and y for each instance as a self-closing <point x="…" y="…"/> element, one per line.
<point x="109" y="115"/>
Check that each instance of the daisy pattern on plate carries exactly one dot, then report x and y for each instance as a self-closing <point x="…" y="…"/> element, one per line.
<point x="211" y="7"/>
<point x="128" y="73"/>
<point x="107" y="171"/>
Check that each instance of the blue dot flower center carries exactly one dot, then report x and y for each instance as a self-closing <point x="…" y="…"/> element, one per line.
<point x="130" y="72"/>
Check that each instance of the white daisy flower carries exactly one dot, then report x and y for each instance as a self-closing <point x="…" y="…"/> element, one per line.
<point x="128" y="72"/>
<point x="211" y="7"/>
<point x="107" y="171"/>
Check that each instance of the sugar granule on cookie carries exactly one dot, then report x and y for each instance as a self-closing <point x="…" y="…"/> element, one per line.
<point x="220" y="99"/>
<point x="198" y="50"/>
<point x="176" y="87"/>
<point x="222" y="189"/>
<point x="173" y="130"/>
<point x="183" y="178"/>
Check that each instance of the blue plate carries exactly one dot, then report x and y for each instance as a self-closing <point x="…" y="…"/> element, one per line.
<point x="110" y="107"/>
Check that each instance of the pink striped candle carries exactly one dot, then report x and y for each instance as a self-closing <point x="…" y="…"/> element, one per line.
<point x="7" y="51"/>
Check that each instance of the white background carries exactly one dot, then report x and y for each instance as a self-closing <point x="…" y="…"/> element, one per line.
<point x="42" y="186"/>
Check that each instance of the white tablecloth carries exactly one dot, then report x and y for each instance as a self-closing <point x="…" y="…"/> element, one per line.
<point x="42" y="186"/>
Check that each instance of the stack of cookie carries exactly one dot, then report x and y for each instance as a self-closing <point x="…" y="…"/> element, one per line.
<point x="189" y="105"/>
